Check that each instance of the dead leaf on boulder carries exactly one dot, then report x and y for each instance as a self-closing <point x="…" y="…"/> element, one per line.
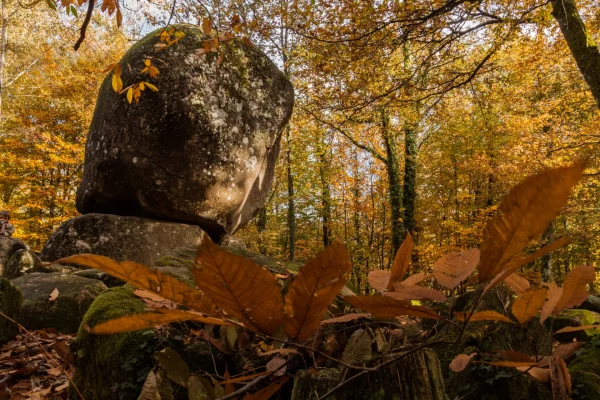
<point x="53" y="295"/>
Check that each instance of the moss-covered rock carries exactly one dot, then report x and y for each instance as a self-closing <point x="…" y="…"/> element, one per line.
<point x="574" y="318"/>
<point x="585" y="373"/>
<point x="21" y="262"/>
<point x="8" y="247"/>
<point x="75" y="295"/>
<point x="200" y="150"/>
<point x="113" y="366"/>
<point x="10" y="304"/>
<point x="415" y="377"/>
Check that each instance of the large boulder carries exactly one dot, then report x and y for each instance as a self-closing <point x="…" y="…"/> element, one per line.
<point x="10" y="305"/>
<point x="200" y="150"/>
<point x="122" y="238"/>
<point x="65" y="312"/>
<point x="8" y="247"/>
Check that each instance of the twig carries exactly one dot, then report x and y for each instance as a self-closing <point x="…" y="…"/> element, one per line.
<point x="84" y="26"/>
<point x="48" y="355"/>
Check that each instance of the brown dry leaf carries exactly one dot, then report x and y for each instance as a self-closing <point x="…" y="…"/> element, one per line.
<point x="517" y="283"/>
<point x="240" y="287"/>
<point x="414" y="279"/>
<point x="315" y="287"/>
<point x="511" y="363"/>
<point x="453" y="268"/>
<point x="566" y="350"/>
<point x="577" y="328"/>
<point x="268" y="392"/>
<point x="518" y="262"/>
<point x="388" y="307"/>
<point x="54" y="295"/>
<point x="345" y="318"/>
<point x="512" y="355"/>
<point x="488" y="315"/>
<point x="276" y="364"/>
<point x="566" y="376"/>
<point x="401" y="261"/>
<point x="560" y="379"/>
<point x="537" y="373"/>
<point x="574" y="287"/>
<point x="207" y="25"/>
<point x="554" y="295"/>
<point x="162" y="316"/>
<point x="147" y="278"/>
<point x="460" y="362"/>
<point x="523" y="215"/>
<point x="285" y="351"/>
<point x="379" y="279"/>
<point x="412" y="292"/>
<point x="243" y="378"/>
<point x="527" y="306"/>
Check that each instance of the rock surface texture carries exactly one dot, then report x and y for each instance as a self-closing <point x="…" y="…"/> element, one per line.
<point x="135" y="239"/>
<point x="201" y="150"/>
<point x="21" y="262"/>
<point x="10" y="304"/>
<point x="65" y="312"/>
<point x="8" y="247"/>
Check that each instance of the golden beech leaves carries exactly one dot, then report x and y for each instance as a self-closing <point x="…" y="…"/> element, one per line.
<point x="117" y="83"/>
<point x="554" y="295"/>
<point x="412" y="292"/>
<point x="461" y="361"/>
<point x="527" y="306"/>
<point x="488" y="315"/>
<point x="523" y="215"/>
<point x="313" y="289"/>
<point x="240" y="287"/>
<point x="379" y="279"/>
<point x="401" y="261"/>
<point x="574" y="287"/>
<point x="387" y="307"/>
<point x="144" y="277"/>
<point x="160" y="316"/>
<point x="517" y="283"/>
<point x="518" y="262"/>
<point x="453" y="268"/>
<point x="577" y="328"/>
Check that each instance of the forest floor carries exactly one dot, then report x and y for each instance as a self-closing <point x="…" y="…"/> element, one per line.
<point x="34" y="366"/>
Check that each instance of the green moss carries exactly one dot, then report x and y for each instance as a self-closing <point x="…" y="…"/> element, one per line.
<point x="574" y="318"/>
<point x="11" y="300"/>
<point x="113" y="366"/>
<point x="585" y="373"/>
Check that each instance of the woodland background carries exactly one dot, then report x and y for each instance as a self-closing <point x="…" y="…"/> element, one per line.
<point x="413" y="124"/>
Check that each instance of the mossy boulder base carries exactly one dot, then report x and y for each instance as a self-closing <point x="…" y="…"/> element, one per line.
<point x="10" y="305"/>
<point x="202" y="149"/>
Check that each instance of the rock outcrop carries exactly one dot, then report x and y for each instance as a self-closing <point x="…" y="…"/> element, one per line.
<point x="201" y="150"/>
<point x="135" y="239"/>
<point x="65" y="312"/>
<point x="20" y="262"/>
<point x="10" y="304"/>
<point x="8" y="247"/>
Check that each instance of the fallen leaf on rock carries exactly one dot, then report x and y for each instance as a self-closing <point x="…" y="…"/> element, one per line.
<point x="53" y="295"/>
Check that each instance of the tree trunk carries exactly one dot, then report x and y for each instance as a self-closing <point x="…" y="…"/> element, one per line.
<point x="395" y="188"/>
<point x="580" y="41"/>
<point x="291" y="214"/>
<point x="324" y="176"/>
<point x="410" y="176"/>
<point x="3" y="40"/>
<point x="547" y="259"/>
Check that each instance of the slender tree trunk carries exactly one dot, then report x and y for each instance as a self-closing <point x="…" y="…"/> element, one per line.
<point x="324" y="175"/>
<point x="291" y="215"/>
<point x="410" y="176"/>
<point x="395" y="187"/>
<point x="261" y="226"/>
<point x="580" y="41"/>
<point x="547" y="259"/>
<point x="3" y="41"/>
